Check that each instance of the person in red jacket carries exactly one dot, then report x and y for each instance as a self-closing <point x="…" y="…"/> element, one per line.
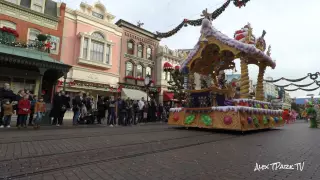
<point x="24" y="107"/>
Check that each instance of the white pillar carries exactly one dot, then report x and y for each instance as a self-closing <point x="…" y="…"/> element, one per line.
<point x="81" y="46"/>
<point x="110" y="54"/>
<point x="105" y="53"/>
<point x="88" y="50"/>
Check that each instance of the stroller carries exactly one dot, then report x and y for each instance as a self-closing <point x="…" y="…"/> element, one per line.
<point x="87" y="117"/>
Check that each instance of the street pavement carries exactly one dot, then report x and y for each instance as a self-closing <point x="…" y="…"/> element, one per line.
<point x="157" y="151"/>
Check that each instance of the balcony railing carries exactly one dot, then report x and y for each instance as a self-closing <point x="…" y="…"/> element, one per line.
<point x="9" y="37"/>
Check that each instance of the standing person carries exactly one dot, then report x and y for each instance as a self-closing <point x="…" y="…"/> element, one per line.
<point x="101" y="109"/>
<point x="135" y="107"/>
<point x="123" y="112"/>
<point x="65" y="100"/>
<point x="153" y="110"/>
<point x="39" y="110"/>
<point x="5" y="93"/>
<point x="112" y="112"/>
<point x="7" y="113"/>
<point x="19" y="97"/>
<point x="145" y="112"/>
<point x="57" y="107"/>
<point x="106" y="101"/>
<point x="76" y="107"/>
<point x="128" y="112"/>
<point x="167" y="109"/>
<point x="141" y="109"/>
<point x="160" y="112"/>
<point x="119" y="110"/>
<point x="33" y="100"/>
<point x="24" y="106"/>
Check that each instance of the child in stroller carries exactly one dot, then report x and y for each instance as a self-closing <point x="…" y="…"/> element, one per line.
<point x="85" y="116"/>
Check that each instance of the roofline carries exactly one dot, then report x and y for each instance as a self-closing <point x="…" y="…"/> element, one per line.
<point x="123" y="23"/>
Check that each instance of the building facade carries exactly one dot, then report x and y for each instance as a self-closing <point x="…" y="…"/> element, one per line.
<point x="91" y="44"/>
<point x="29" y="62"/>
<point x="166" y="55"/>
<point x="138" y="60"/>
<point x="270" y="90"/>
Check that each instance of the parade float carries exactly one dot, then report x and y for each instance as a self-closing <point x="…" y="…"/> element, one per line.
<point x="215" y="106"/>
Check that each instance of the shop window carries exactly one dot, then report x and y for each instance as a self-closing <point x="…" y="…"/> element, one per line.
<point x="130" y="48"/>
<point x="139" y="71"/>
<point x="17" y="84"/>
<point x="96" y="51"/>
<point x="140" y="50"/>
<point x="33" y="33"/>
<point x="129" y="69"/>
<point x="148" y="71"/>
<point x="149" y="53"/>
<point x="8" y="24"/>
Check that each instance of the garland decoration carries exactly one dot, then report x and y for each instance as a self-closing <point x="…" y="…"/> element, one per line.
<point x="313" y="76"/>
<point x="297" y="85"/>
<point x="302" y="89"/>
<point x="197" y="22"/>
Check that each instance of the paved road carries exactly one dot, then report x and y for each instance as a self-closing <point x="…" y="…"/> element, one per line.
<point x="157" y="151"/>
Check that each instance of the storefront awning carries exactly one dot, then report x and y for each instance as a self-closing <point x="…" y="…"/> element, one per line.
<point x="133" y="94"/>
<point x="30" y="57"/>
<point x="168" y="96"/>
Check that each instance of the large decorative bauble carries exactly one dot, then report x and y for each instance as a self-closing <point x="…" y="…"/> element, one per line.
<point x="176" y="116"/>
<point x="249" y="119"/>
<point x="206" y="119"/>
<point x="255" y="121"/>
<point x="276" y="119"/>
<point x="265" y="120"/>
<point x="189" y="119"/>
<point x="227" y="120"/>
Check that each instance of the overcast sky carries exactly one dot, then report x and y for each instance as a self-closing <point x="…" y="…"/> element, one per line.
<point x="292" y="28"/>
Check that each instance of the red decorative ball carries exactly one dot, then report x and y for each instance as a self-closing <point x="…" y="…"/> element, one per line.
<point x="176" y="116"/>
<point x="227" y="120"/>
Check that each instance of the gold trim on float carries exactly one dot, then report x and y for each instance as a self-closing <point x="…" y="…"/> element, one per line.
<point x="213" y="40"/>
<point x="252" y="59"/>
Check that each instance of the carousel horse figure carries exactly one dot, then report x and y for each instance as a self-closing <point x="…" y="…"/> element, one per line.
<point x="312" y="114"/>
